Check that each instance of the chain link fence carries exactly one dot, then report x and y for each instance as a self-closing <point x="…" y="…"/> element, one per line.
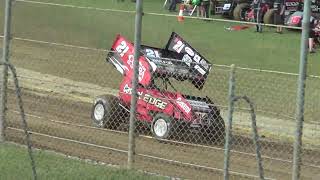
<point x="75" y="73"/>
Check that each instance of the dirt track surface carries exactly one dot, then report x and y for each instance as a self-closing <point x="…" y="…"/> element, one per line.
<point x="48" y="113"/>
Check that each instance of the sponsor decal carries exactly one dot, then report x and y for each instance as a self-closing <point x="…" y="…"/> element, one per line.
<point x="187" y="59"/>
<point x="127" y="89"/>
<point x="197" y="67"/>
<point x="155" y="55"/>
<point x="183" y="105"/>
<point x="142" y="70"/>
<point x="147" y="98"/>
<point x="155" y="101"/>
<point x="198" y="103"/>
<point x="189" y="51"/>
<point x="190" y="56"/>
<point x="291" y="4"/>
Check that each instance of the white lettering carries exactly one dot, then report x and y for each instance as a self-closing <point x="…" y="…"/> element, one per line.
<point x="183" y="105"/>
<point x="142" y="70"/>
<point x="127" y="89"/>
<point x="197" y="67"/>
<point x="189" y="51"/>
<point x="122" y="48"/>
<point x="197" y="58"/>
<point x="130" y="60"/>
<point x="187" y="59"/>
<point x="178" y="47"/>
<point x="290" y="4"/>
<point x="155" y="101"/>
<point x="204" y="64"/>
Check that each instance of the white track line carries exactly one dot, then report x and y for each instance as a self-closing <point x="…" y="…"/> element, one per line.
<point x="143" y="155"/>
<point x="170" y="141"/>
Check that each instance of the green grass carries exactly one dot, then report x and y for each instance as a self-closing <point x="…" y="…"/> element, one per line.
<point x="15" y="165"/>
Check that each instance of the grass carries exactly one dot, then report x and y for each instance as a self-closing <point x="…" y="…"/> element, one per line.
<point x="15" y="164"/>
<point x="272" y="93"/>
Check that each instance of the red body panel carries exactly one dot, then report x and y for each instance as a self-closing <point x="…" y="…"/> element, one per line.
<point x="126" y="51"/>
<point x="152" y="100"/>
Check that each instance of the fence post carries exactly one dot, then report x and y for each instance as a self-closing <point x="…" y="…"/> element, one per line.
<point x="255" y="137"/>
<point x="229" y="127"/>
<point x="137" y="43"/>
<point x="4" y="69"/>
<point x="301" y="91"/>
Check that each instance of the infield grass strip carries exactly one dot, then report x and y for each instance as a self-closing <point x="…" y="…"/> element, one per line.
<point x="15" y="164"/>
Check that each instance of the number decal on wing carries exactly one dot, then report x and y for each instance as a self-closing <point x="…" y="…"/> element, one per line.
<point x="122" y="48"/>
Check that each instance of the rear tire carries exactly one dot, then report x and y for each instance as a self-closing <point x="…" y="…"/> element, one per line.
<point x="215" y="132"/>
<point x="106" y="111"/>
<point x="268" y="18"/>
<point x="238" y="10"/>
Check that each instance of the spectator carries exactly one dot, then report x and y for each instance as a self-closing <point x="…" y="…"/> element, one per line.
<point x="257" y="14"/>
<point x="213" y="4"/>
<point x="312" y="34"/>
<point x="173" y="5"/>
<point x="279" y="6"/>
<point x="205" y="6"/>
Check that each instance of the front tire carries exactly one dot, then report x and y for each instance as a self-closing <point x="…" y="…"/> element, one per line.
<point x="161" y="126"/>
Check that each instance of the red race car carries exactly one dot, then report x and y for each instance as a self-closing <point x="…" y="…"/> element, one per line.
<point x="162" y="111"/>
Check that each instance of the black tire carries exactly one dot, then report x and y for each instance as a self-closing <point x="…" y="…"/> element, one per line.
<point x="215" y="132"/>
<point x="106" y="111"/>
<point x="238" y="11"/>
<point x="161" y="120"/>
<point x="242" y="1"/>
<point x="268" y="18"/>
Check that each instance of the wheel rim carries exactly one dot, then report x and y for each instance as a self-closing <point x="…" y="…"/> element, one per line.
<point x="160" y="127"/>
<point x="98" y="112"/>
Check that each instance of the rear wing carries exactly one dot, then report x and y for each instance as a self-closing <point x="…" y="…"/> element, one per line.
<point x="184" y="63"/>
<point x="197" y="64"/>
